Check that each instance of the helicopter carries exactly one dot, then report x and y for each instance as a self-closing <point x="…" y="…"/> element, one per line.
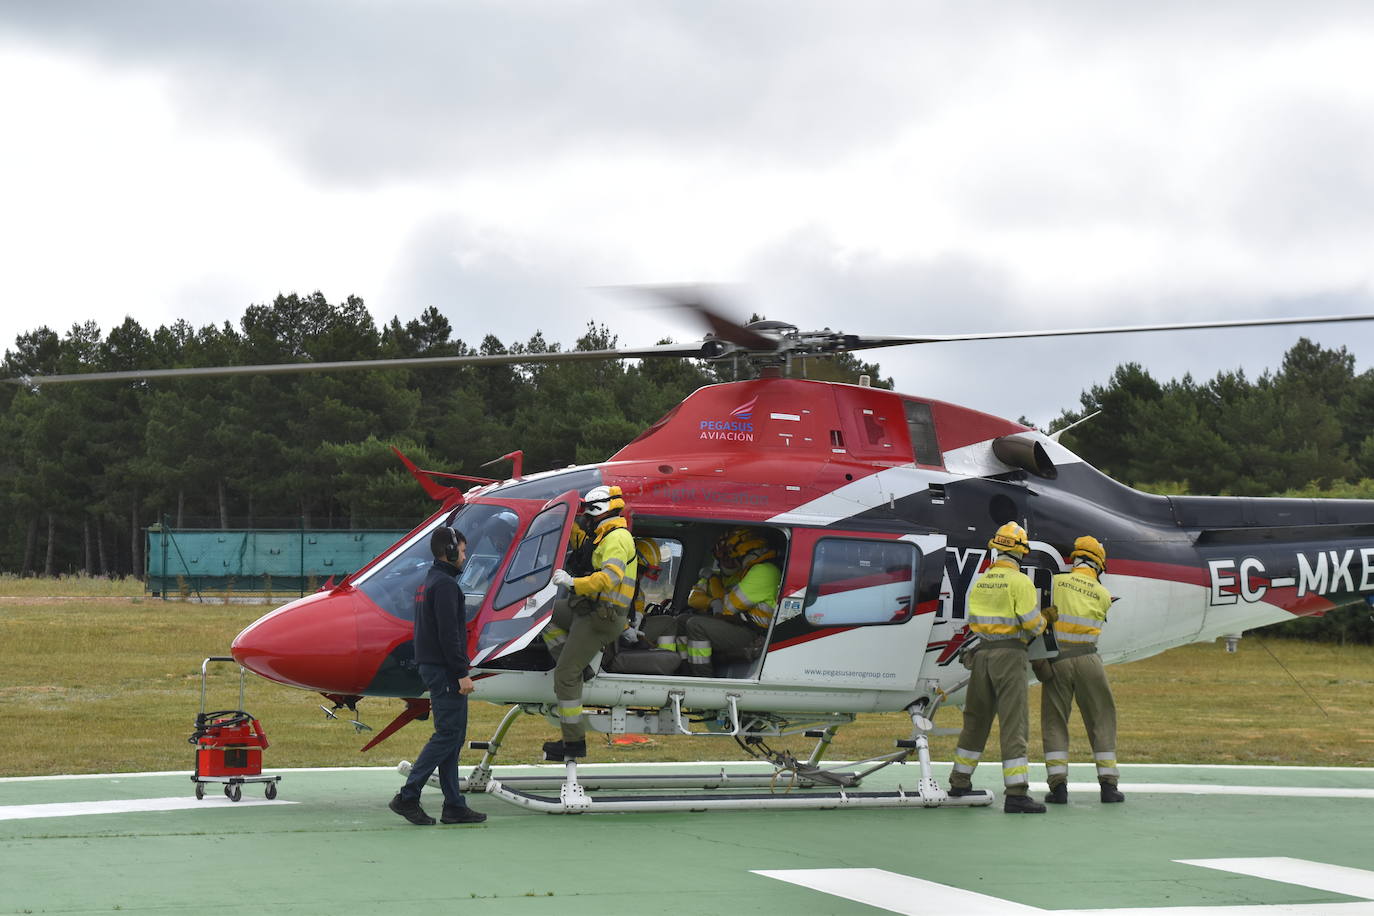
<point x="880" y="505"/>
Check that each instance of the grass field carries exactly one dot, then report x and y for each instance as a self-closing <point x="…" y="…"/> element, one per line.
<point x="112" y="684"/>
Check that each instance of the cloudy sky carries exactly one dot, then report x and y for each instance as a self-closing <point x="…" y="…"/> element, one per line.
<point x="899" y="167"/>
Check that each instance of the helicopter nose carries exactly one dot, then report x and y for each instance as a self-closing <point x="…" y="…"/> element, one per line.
<point x="311" y="643"/>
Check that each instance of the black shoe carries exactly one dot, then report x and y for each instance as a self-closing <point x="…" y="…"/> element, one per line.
<point x="558" y="751"/>
<point x="463" y="815"/>
<point x="961" y="791"/>
<point x="410" y="810"/>
<point x="1110" y="793"/>
<point x="588" y="673"/>
<point x="1059" y="795"/>
<point x="1022" y="804"/>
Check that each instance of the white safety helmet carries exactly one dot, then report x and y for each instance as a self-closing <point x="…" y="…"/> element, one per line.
<point x="603" y="500"/>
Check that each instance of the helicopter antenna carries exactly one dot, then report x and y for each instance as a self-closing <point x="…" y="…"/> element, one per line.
<point x="1291" y="675"/>
<point x="1079" y="422"/>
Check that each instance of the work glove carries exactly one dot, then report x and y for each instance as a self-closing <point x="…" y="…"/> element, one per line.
<point x="717" y="606"/>
<point x="1051" y="614"/>
<point x="562" y="578"/>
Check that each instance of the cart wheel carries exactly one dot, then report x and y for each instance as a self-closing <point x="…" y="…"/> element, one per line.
<point x="234" y="792"/>
<point x="270" y="791"/>
<point x="200" y="791"/>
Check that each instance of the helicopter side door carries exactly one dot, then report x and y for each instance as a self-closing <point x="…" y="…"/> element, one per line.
<point x="518" y="600"/>
<point x="851" y="614"/>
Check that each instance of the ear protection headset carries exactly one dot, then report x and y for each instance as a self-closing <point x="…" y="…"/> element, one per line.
<point x="445" y="539"/>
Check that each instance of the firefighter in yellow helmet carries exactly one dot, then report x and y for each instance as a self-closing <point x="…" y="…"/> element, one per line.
<point x="1077" y="672"/>
<point x="1003" y="613"/>
<point x="733" y="606"/>
<point x="593" y="616"/>
<point x="649" y="562"/>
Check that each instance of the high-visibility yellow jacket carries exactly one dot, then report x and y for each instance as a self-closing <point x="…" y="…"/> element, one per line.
<point x="1003" y="605"/>
<point x="1083" y="603"/>
<point x="750" y="593"/>
<point x="613" y="582"/>
<point x="710" y="587"/>
<point x="754" y="598"/>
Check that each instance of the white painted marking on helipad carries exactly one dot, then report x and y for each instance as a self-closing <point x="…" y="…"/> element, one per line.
<point x="127" y="806"/>
<point x="1338" y="879"/>
<point x="910" y="896"/>
<point x="1166" y="788"/>
<point x="898" y="893"/>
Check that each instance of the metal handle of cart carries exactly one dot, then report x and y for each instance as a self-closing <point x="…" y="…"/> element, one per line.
<point x="204" y="667"/>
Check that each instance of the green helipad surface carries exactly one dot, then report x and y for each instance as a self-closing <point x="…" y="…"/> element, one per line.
<point x="1215" y="840"/>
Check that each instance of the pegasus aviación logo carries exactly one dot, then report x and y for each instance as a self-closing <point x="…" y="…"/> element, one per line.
<point x="739" y="427"/>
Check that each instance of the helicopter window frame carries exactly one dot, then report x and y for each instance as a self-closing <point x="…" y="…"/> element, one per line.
<point x="821" y="574"/>
<point x="532" y="564"/>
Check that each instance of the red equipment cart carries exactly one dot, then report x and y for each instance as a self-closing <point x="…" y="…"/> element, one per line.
<point x="229" y="745"/>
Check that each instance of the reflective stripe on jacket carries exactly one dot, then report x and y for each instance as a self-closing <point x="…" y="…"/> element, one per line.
<point x="1083" y="603"/>
<point x="1002" y="605"/>
<point x="613" y="582"/>
<point x="754" y="599"/>
<point x="708" y="588"/>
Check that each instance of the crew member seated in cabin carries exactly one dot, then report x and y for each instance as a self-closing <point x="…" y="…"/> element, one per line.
<point x="733" y="608"/>
<point x="649" y="561"/>
<point x="665" y="631"/>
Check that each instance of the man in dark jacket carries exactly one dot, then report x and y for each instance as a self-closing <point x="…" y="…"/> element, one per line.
<point x="441" y="653"/>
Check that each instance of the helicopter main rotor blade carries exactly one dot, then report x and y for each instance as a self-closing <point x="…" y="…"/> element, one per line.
<point x="699" y="301"/>
<point x="696" y="350"/>
<point x="863" y="342"/>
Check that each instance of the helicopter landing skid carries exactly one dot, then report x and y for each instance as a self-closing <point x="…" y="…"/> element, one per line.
<point x="837" y="788"/>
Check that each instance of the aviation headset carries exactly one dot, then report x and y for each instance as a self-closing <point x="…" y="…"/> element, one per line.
<point x="444" y="543"/>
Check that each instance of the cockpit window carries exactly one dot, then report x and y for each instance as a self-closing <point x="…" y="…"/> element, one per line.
<point x="533" y="563"/>
<point x="489" y="531"/>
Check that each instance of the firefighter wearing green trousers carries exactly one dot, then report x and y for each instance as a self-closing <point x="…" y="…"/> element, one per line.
<point x="1077" y="673"/>
<point x="1002" y="611"/>
<point x="595" y="616"/>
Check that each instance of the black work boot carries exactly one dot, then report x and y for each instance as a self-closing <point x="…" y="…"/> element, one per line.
<point x="461" y="815"/>
<point x="1058" y="795"/>
<point x="410" y="810"/>
<point x="558" y="751"/>
<point x="1110" y="793"/>
<point x="1022" y="804"/>
<point x="961" y="791"/>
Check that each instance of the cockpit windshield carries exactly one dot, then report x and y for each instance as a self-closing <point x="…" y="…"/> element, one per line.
<point x="489" y="531"/>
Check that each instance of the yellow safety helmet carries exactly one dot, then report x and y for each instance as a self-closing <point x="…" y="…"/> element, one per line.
<point x="602" y="500"/>
<point x="1011" y="538"/>
<point x="1090" y="549"/>
<point x="650" y="558"/>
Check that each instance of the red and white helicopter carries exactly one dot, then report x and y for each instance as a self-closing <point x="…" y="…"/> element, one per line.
<point x="884" y="503"/>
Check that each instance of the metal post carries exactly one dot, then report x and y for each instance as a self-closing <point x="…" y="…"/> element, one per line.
<point x="164" y="557"/>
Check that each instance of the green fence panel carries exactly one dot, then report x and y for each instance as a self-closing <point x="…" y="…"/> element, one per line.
<point x="190" y="560"/>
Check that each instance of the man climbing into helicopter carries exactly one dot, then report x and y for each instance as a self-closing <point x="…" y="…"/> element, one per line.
<point x="1002" y="612"/>
<point x="1081" y="602"/>
<point x="733" y="606"/>
<point x="594" y="614"/>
